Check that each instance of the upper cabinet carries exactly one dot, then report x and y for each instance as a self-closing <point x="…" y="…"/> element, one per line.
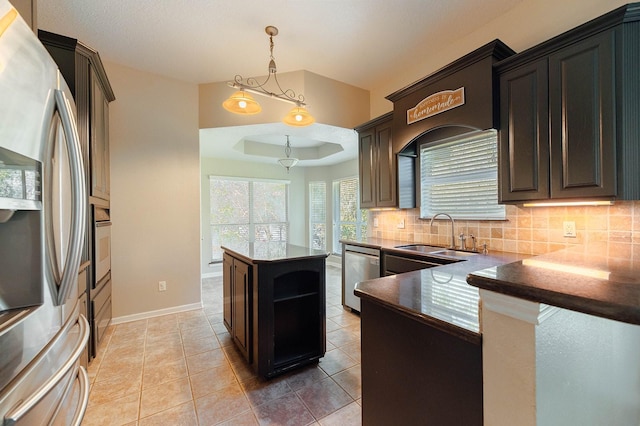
<point x="84" y="73"/>
<point x="377" y="166"/>
<point x="99" y="147"/>
<point x="454" y="100"/>
<point x="566" y="114"/>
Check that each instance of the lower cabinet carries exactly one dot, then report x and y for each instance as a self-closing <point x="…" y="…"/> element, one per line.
<point x="227" y="286"/>
<point x="236" y="295"/>
<point x="242" y="307"/>
<point x="275" y="311"/>
<point x="101" y="312"/>
<point x="416" y="374"/>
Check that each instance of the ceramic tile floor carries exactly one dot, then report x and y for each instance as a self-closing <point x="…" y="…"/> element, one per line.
<point x="182" y="369"/>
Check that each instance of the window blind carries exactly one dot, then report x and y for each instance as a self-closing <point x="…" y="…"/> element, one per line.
<point x="318" y="215"/>
<point x="351" y="221"/>
<point x="460" y="177"/>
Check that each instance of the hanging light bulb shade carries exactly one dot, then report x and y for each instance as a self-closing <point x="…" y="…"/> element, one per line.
<point x="299" y="117"/>
<point x="289" y="161"/>
<point x="242" y="103"/>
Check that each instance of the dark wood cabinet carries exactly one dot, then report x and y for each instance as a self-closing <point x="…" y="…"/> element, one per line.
<point x="377" y="164"/>
<point x="582" y="119"/>
<point x="236" y="293"/>
<point x="241" y="310"/>
<point x="524" y="133"/>
<point x="566" y="131"/>
<point x="99" y="148"/>
<point x="227" y="288"/>
<point x="275" y="310"/>
<point x="416" y="374"/>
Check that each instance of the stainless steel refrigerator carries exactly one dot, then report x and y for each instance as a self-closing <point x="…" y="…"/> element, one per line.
<point x="42" y="226"/>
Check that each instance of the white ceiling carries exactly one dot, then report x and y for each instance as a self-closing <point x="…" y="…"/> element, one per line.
<point x="359" y="42"/>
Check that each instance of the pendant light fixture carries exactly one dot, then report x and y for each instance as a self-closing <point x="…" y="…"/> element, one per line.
<point x="241" y="102"/>
<point x="288" y="162"/>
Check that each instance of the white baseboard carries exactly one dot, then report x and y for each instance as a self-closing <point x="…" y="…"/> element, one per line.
<point x="211" y="275"/>
<point x="157" y="313"/>
<point x="334" y="260"/>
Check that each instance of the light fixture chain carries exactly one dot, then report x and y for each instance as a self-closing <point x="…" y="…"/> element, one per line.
<point x="287" y="148"/>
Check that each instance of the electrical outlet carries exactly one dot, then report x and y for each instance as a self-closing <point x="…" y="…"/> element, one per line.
<point x="162" y="285"/>
<point x="401" y="224"/>
<point x="569" y="228"/>
<point x="375" y="222"/>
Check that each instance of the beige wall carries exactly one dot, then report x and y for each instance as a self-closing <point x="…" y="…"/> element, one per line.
<point x="155" y="191"/>
<point x="332" y="102"/>
<point x="28" y="10"/>
<point x="530" y="22"/>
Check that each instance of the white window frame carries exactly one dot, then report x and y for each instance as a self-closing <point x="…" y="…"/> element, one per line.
<point x="251" y="224"/>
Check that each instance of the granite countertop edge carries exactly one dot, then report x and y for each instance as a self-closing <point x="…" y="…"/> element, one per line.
<point x="463" y="333"/>
<point x="301" y="253"/>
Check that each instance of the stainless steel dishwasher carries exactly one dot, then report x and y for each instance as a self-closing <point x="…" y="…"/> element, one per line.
<point x="358" y="264"/>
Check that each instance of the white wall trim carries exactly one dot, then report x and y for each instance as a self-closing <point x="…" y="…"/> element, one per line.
<point x="334" y="260"/>
<point x="157" y="313"/>
<point x="523" y="310"/>
<point x="212" y="274"/>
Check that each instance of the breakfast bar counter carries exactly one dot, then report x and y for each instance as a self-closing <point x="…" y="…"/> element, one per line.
<point x="600" y="279"/>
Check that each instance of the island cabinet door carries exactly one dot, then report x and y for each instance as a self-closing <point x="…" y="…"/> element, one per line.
<point x="227" y="286"/>
<point x="241" y="307"/>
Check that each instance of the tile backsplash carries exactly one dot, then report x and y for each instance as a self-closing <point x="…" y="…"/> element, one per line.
<point x="527" y="230"/>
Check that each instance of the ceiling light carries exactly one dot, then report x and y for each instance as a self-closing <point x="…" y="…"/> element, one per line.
<point x="242" y="103"/>
<point x="289" y="161"/>
<point x="298" y="116"/>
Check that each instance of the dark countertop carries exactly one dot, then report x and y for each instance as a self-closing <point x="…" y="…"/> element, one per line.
<point x="438" y="296"/>
<point x="601" y="279"/>
<point x="273" y="252"/>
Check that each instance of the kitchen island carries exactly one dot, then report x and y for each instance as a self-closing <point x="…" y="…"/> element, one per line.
<point x="421" y="339"/>
<point x="274" y="304"/>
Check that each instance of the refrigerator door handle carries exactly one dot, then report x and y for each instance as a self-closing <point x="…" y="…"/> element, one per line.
<point x="25" y="406"/>
<point x="78" y="213"/>
<point x="83" y="378"/>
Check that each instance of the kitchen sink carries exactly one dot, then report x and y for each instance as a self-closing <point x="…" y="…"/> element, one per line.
<point x="451" y="252"/>
<point x="419" y="247"/>
<point x="423" y="248"/>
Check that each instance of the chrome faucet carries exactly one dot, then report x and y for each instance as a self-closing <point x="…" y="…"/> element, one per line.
<point x="453" y="234"/>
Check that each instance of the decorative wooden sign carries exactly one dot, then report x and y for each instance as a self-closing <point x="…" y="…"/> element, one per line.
<point x="435" y="104"/>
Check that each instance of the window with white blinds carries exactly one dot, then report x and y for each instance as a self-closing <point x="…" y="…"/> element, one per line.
<point x="244" y="211"/>
<point x="318" y="215"/>
<point x="460" y="177"/>
<point x="350" y="222"/>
